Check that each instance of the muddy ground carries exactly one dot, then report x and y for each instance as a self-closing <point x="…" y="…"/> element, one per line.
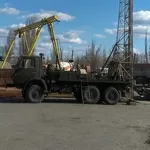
<point x="65" y="125"/>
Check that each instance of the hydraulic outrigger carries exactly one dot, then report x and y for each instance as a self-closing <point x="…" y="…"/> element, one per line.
<point x="38" y="26"/>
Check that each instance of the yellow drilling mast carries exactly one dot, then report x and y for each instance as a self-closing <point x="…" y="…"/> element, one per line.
<point x="37" y="25"/>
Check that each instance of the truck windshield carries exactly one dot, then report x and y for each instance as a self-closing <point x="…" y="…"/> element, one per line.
<point x="27" y="63"/>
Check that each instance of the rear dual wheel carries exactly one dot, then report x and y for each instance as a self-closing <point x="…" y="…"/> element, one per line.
<point x="91" y="94"/>
<point x="111" y="96"/>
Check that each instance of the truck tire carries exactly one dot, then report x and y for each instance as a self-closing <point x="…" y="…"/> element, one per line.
<point x="91" y="95"/>
<point x="111" y="96"/>
<point x="35" y="94"/>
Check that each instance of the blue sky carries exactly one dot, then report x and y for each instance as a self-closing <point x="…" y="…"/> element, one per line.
<point x="80" y="21"/>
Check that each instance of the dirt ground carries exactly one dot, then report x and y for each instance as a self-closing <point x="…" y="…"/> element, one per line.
<point x="65" y="125"/>
<point x="9" y="92"/>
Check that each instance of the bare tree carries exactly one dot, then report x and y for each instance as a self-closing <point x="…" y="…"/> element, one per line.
<point x="67" y="56"/>
<point x="94" y="56"/>
<point x="141" y="58"/>
<point x="61" y="53"/>
<point x="2" y="50"/>
<point x="104" y="56"/>
<point x="136" y="58"/>
<point x="10" y="38"/>
<point x="52" y="56"/>
<point x="23" y="50"/>
<point x="149" y="53"/>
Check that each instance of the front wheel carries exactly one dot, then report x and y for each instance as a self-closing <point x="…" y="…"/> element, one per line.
<point x="34" y="94"/>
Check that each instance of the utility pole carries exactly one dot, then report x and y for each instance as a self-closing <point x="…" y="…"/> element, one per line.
<point x="146" y="54"/>
<point x="72" y="56"/>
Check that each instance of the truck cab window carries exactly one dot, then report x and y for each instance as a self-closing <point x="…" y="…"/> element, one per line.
<point x="28" y="63"/>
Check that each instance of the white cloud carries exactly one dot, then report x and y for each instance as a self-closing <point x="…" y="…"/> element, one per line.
<point x="139" y="31"/>
<point x="69" y="37"/>
<point x="3" y="31"/>
<point x="45" y="13"/>
<point x="15" y="26"/>
<point x="45" y="45"/>
<point x="3" y="35"/>
<point x="141" y="23"/>
<point x="100" y="36"/>
<point x="140" y="26"/>
<point x="141" y="17"/>
<point x="20" y="25"/>
<point x="9" y="10"/>
<point x="2" y="41"/>
<point x="110" y="31"/>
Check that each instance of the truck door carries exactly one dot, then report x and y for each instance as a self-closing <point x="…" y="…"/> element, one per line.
<point x="25" y="70"/>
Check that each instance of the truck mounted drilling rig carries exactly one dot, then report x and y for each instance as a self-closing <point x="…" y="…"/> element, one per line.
<point x="36" y="82"/>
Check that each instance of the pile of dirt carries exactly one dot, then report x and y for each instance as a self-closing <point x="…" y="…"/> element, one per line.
<point x="6" y="66"/>
<point x="10" y="92"/>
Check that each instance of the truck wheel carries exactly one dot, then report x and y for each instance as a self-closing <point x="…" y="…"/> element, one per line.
<point x="111" y="96"/>
<point x="91" y="94"/>
<point x="35" y="94"/>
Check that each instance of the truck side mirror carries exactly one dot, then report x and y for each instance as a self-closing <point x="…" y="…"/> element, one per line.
<point x="42" y="55"/>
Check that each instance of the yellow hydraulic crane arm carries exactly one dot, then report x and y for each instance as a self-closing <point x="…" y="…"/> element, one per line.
<point x="35" y="25"/>
<point x="55" y="44"/>
<point x="29" y="27"/>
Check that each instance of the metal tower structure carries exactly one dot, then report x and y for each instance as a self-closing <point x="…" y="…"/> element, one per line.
<point x="121" y="65"/>
<point x="123" y="49"/>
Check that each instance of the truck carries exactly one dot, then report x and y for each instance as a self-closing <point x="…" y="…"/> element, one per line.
<point x="37" y="82"/>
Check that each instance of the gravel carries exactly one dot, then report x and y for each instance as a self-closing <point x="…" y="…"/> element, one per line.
<point x="70" y="126"/>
